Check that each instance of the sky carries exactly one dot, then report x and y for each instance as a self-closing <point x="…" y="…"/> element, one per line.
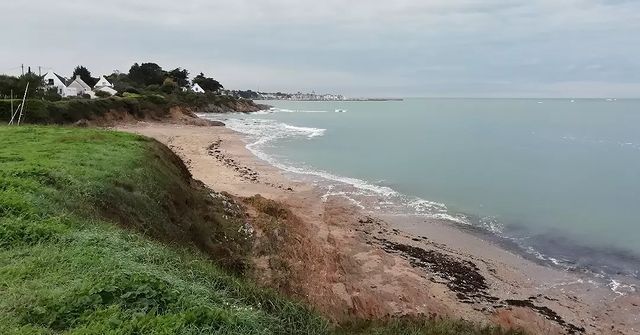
<point x="399" y="48"/>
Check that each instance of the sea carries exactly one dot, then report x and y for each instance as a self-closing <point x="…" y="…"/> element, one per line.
<point x="558" y="180"/>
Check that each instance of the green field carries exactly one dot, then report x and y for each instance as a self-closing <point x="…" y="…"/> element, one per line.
<point x="105" y="232"/>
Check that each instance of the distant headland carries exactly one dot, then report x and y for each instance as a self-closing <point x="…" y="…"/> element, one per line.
<point x="299" y="96"/>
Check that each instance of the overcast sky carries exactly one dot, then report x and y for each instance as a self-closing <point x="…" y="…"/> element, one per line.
<point x="507" y="48"/>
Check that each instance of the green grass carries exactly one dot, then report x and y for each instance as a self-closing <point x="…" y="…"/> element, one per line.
<point x="66" y="268"/>
<point x="105" y="232"/>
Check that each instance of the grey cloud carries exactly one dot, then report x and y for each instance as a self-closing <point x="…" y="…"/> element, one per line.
<point x="403" y="47"/>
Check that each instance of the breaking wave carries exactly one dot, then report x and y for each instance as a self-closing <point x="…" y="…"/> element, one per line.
<point x="283" y="110"/>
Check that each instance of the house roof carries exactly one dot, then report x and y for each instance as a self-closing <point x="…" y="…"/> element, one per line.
<point x="80" y="82"/>
<point x="105" y="84"/>
<point x="61" y="78"/>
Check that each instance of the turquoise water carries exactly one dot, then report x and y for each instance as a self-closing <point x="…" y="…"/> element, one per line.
<point x="561" y="178"/>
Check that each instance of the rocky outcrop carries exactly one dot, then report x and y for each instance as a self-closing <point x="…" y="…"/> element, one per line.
<point x="184" y="115"/>
<point x="233" y="106"/>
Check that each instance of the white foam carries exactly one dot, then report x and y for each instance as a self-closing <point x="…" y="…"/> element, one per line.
<point x="425" y="206"/>
<point x="263" y="132"/>
<point x="283" y="110"/>
<point x="620" y="288"/>
<point x="345" y="195"/>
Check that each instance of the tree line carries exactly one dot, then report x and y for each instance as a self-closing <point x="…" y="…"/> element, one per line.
<point x="141" y="77"/>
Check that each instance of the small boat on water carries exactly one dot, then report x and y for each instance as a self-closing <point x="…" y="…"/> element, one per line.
<point x="341" y="110"/>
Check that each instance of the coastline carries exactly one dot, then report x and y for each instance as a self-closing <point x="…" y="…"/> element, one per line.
<point x="374" y="266"/>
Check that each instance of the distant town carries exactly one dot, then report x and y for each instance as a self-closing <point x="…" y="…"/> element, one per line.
<point x="299" y="96"/>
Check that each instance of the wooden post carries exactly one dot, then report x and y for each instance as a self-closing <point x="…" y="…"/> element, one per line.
<point x="13" y="116"/>
<point x="22" y="105"/>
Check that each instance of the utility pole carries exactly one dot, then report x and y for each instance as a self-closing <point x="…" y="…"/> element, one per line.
<point x="39" y="71"/>
<point x="22" y="66"/>
<point x="29" y="70"/>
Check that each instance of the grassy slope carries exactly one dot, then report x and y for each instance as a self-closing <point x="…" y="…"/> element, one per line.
<point x="66" y="268"/>
<point x="63" y="268"/>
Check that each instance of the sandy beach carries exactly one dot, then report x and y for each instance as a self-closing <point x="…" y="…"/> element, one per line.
<point x="347" y="262"/>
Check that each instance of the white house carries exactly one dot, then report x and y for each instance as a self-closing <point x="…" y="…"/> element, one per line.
<point x="80" y="86"/>
<point x="196" y="88"/>
<point x="52" y="79"/>
<point x="102" y="82"/>
<point x="104" y="85"/>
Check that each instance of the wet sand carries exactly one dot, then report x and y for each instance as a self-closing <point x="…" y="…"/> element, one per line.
<point x="347" y="262"/>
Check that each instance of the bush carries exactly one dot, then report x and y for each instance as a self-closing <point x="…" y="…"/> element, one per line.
<point x="169" y="86"/>
<point x="51" y="94"/>
<point x="102" y="94"/>
<point x="156" y="99"/>
<point x="153" y="88"/>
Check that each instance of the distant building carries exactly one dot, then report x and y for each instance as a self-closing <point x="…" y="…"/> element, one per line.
<point x="77" y="86"/>
<point x="80" y="86"/>
<point x="54" y="80"/>
<point x="102" y="82"/>
<point x="196" y="88"/>
<point x="103" y="85"/>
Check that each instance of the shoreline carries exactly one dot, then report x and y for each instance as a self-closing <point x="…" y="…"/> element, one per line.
<point x="613" y="264"/>
<point x="394" y="255"/>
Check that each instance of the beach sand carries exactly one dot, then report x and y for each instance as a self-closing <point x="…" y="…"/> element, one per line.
<point x="349" y="263"/>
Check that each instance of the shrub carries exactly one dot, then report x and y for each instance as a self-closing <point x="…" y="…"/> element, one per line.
<point x="153" y="88"/>
<point x="169" y="86"/>
<point x="102" y="94"/>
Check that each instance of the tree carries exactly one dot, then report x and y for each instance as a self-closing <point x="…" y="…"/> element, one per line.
<point x="8" y="84"/>
<point x="85" y="75"/>
<point x="169" y="86"/>
<point x="147" y="74"/>
<point x="51" y="94"/>
<point x="207" y="84"/>
<point x="179" y="76"/>
<point x="120" y="81"/>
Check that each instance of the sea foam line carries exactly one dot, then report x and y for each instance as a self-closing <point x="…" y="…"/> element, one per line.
<point x="283" y="110"/>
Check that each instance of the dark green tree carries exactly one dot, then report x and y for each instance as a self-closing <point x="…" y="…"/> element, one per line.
<point x="147" y="74"/>
<point x="85" y="75"/>
<point x="179" y="76"/>
<point x="19" y="84"/>
<point x="120" y="81"/>
<point x="207" y="84"/>
<point x="8" y="84"/>
<point x="51" y="94"/>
